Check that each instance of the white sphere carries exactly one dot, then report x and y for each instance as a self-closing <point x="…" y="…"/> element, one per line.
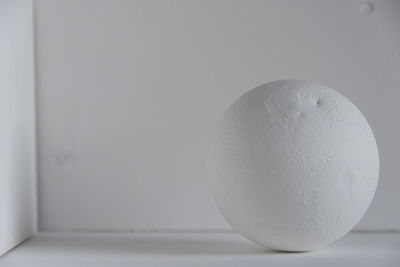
<point x="293" y="165"/>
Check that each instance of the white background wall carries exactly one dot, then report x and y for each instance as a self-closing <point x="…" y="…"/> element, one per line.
<point x="17" y="134"/>
<point x="128" y="92"/>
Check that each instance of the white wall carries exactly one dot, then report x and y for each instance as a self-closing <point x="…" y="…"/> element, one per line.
<point x="129" y="90"/>
<point x="17" y="137"/>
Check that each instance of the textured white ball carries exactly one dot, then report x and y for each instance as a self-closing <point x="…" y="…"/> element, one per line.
<point x="293" y="165"/>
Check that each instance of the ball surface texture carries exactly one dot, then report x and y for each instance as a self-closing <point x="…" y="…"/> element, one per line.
<point x="293" y="165"/>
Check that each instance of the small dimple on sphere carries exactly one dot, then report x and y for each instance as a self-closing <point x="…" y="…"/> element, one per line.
<point x="318" y="103"/>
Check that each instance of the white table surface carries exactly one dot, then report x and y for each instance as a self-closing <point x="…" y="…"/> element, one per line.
<point x="195" y="249"/>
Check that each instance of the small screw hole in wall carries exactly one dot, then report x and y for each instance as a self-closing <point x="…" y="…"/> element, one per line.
<point x="366" y="8"/>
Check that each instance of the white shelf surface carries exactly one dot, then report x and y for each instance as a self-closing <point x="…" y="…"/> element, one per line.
<point x="194" y="249"/>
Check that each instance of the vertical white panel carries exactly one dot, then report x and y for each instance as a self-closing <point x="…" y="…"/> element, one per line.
<point x="129" y="91"/>
<point x="17" y="139"/>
